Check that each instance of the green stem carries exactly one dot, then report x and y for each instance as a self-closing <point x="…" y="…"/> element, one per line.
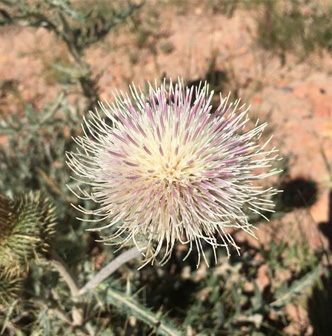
<point x="109" y="269"/>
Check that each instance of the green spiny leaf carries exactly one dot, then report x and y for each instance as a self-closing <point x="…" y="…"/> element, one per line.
<point x="297" y="287"/>
<point x="132" y="308"/>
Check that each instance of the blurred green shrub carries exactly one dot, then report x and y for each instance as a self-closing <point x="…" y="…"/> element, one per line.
<point x="299" y="26"/>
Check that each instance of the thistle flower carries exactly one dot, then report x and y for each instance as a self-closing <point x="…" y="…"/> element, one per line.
<point x="165" y="168"/>
<point x="26" y="226"/>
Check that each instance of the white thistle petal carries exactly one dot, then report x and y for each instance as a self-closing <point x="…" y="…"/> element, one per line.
<point x="167" y="169"/>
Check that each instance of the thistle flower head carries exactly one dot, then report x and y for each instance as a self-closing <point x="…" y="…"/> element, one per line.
<point x="26" y="226"/>
<point x="166" y="168"/>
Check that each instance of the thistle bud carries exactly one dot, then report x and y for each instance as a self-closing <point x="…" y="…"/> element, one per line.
<point x="26" y="226"/>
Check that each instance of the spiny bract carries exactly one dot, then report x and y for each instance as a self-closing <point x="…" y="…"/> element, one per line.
<point x="10" y="286"/>
<point x="164" y="168"/>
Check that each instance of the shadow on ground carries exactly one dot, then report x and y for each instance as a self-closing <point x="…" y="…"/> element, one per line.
<point x="320" y="306"/>
<point x="320" y="302"/>
<point x="295" y="194"/>
<point x="217" y="80"/>
<point x="298" y="193"/>
<point x="326" y="227"/>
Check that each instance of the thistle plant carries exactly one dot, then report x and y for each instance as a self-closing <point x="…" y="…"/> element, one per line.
<point x="166" y="168"/>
